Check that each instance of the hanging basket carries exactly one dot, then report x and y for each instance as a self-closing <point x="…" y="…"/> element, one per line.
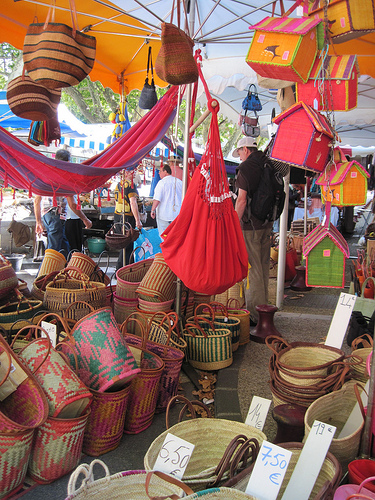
<point x="118" y="241"/>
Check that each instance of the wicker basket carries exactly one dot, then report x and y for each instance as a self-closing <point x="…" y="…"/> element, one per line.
<point x="123" y="308"/>
<point x="244" y="316"/>
<point x="39" y="285"/>
<point x="8" y="277"/>
<point x="130" y="277"/>
<point x="87" y="266"/>
<point x="119" y="240"/>
<point x="24" y="309"/>
<point x="159" y="283"/>
<point x="52" y="261"/>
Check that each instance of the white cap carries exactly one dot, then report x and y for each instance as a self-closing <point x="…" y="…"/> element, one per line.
<point x="245" y="141"/>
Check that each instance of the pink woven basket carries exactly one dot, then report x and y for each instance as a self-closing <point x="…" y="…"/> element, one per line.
<point x="8" y="277"/>
<point x="130" y="277"/>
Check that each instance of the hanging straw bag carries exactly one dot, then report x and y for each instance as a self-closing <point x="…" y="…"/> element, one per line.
<point x="47" y="63"/>
<point x="159" y="283"/>
<point x="118" y="241"/>
<point x="212" y="458"/>
<point x="8" y="277"/>
<point x="137" y="484"/>
<point x="209" y="346"/>
<point x="148" y="97"/>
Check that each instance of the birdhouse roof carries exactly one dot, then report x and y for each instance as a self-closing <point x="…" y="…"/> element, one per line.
<point x="319" y="233"/>
<point x="317" y="119"/>
<point x="340" y="67"/>
<point x="290" y="25"/>
<point x="335" y="173"/>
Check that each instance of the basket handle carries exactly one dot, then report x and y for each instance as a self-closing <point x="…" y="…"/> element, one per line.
<point x="59" y="318"/>
<point x="195" y="402"/>
<point x="219" y="306"/>
<point x="359" y="495"/>
<point x="165" y="318"/>
<point x="66" y="311"/>
<point x="134" y="320"/>
<point x="176" y="399"/>
<point x="65" y="357"/>
<point x="168" y="479"/>
<point x="237" y="304"/>
<point x="87" y="471"/>
<point x="7" y="371"/>
<point x="366" y="340"/>
<point x="194" y="325"/>
<point x="131" y="258"/>
<point x="359" y="399"/>
<point x="275" y="343"/>
<point x="47" y="339"/>
<point x="208" y="306"/>
<point x="44" y="280"/>
<point x="206" y="320"/>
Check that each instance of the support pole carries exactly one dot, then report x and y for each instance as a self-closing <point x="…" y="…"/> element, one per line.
<point x="282" y="246"/>
<point x="202" y="117"/>
<point x="365" y="449"/>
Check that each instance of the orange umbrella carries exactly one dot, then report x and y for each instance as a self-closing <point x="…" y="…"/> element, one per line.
<point x="122" y="41"/>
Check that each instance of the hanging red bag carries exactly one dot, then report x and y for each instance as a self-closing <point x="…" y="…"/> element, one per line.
<point x="204" y="245"/>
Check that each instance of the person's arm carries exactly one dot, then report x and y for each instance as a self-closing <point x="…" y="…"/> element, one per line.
<point x="241" y="202"/>
<point x="155" y="204"/>
<point x="73" y="207"/>
<point x="39" y="228"/>
<point x="135" y="212"/>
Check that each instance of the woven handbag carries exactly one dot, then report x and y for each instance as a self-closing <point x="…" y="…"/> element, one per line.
<point x="104" y="360"/>
<point x="144" y="391"/>
<point x="105" y="426"/>
<point x="67" y="396"/>
<point x="209" y="346"/>
<point x="39" y="285"/>
<point x="171" y="356"/>
<point x="129" y="278"/>
<point x="87" y="266"/>
<point x="14" y="458"/>
<point x="136" y="484"/>
<point x="119" y="240"/>
<point x="24" y="309"/>
<point x="244" y="316"/>
<point x="31" y="100"/>
<point x="26" y="407"/>
<point x="159" y="324"/>
<point x="57" y="448"/>
<point x="56" y="55"/>
<point x="159" y="283"/>
<point x="8" y="277"/>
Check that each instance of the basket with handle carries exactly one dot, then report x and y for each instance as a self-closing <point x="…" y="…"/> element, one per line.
<point x="359" y="371"/>
<point x="234" y="309"/>
<point x="8" y="277"/>
<point x="23" y="309"/>
<point x="171" y="356"/>
<point x="38" y="288"/>
<point x="119" y="240"/>
<point x="52" y="261"/>
<point x="209" y="345"/>
<point x="137" y="484"/>
<point x="159" y="324"/>
<point x="159" y="283"/>
<point x="129" y="277"/>
<point x="122" y="307"/>
<point x="212" y="460"/>
<point x="87" y="266"/>
<point x="64" y="290"/>
<point x="66" y="394"/>
<point x="104" y="360"/>
<point x="26" y="407"/>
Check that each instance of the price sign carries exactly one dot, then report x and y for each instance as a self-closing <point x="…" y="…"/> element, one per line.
<point x="51" y="331"/>
<point x="340" y="320"/>
<point x="174" y="456"/>
<point x="310" y="461"/>
<point x="269" y="471"/>
<point x="258" y="411"/>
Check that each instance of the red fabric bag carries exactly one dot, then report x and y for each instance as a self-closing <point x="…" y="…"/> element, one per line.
<point x="204" y="245"/>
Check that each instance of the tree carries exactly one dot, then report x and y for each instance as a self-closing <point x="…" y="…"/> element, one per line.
<point x="9" y="60"/>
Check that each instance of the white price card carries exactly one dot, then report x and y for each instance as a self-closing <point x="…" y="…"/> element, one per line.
<point x="309" y="462"/>
<point x="51" y="331"/>
<point x="174" y="456"/>
<point x="268" y="472"/>
<point x="258" y="411"/>
<point x="340" y="320"/>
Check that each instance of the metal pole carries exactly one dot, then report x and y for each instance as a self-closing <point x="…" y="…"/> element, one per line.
<point x="282" y="246"/>
<point x="365" y="450"/>
<point x="305" y="210"/>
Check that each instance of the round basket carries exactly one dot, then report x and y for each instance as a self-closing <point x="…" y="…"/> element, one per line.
<point x="86" y="265"/>
<point x="123" y="308"/>
<point x="359" y="371"/>
<point x="152" y="307"/>
<point x="130" y="277"/>
<point x="52" y="261"/>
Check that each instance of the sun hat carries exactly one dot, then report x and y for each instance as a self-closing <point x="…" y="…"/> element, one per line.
<point x="245" y="141"/>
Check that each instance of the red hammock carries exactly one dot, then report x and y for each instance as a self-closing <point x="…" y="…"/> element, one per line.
<point x="22" y="167"/>
<point x="204" y="245"/>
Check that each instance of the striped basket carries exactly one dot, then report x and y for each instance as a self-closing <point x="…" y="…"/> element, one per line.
<point x="158" y="329"/>
<point x="105" y="425"/>
<point x="144" y="391"/>
<point x="39" y="285"/>
<point x="244" y="316"/>
<point x="87" y="266"/>
<point x="14" y="459"/>
<point x="159" y="283"/>
<point x="129" y="278"/>
<point x="208" y="347"/>
<point x="57" y="448"/>
<point x="21" y="312"/>
<point x="52" y="261"/>
<point x="123" y="308"/>
<point x="8" y="277"/>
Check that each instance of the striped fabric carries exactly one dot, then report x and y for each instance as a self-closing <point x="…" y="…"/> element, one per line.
<point x="340" y="67"/>
<point x="57" y="58"/>
<point x="319" y="121"/>
<point x="290" y="25"/>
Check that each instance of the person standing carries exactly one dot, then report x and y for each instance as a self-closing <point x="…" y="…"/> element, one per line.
<point x="75" y="219"/>
<point x="257" y="234"/>
<point x="126" y="198"/>
<point x="167" y="199"/>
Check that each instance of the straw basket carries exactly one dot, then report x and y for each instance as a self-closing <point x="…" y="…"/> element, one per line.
<point x="152" y="307"/>
<point x="244" y="316"/>
<point x="130" y="277"/>
<point x="57" y="448"/>
<point x="8" y="277"/>
<point x="218" y="493"/>
<point x="159" y="324"/>
<point x="123" y="308"/>
<point x="87" y="266"/>
<point x="359" y="371"/>
<point x="208" y="451"/>
<point x="334" y="409"/>
<point x="52" y="261"/>
<point x="128" y="484"/>
<point x="159" y="283"/>
<point x="105" y="425"/>
<point x="21" y="312"/>
<point x="14" y="458"/>
<point x="39" y="285"/>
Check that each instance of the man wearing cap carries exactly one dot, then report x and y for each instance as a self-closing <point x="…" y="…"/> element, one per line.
<point x="256" y="233"/>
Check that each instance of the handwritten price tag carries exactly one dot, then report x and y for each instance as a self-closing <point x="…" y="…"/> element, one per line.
<point x="340" y="320"/>
<point x="258" y="412"/>
<point x="174" y="456"/>
<point x="51" y="331"/>
<point x="269" y="471"/>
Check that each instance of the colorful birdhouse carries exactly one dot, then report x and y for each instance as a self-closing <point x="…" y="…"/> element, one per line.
<point x="343" y="183"/>
<point x="325" y="250"/>
<point x="347" y="19"/>
<point x="285" y="48"/>
<point x="303" y="138"/>
<point x="335" y="89"/>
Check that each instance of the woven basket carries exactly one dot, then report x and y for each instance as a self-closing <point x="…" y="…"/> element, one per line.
<point x="24" y="309"/>
<point x="14" y="458"/>
<point x="119" y="240"/>
<point x="52" y="261"/>
<point x="159" y="283"/>
<point x="218" y="493"/>
<point x="87" y="266"/>
<point x="130" y="277"/>
<point x="26" y="407"/>
<point x="105" y="426"/>
<point x="209" y="347"/>
<point x="144" y="391"/>
<point x="123" y="308"/>
<point x="104" y="360"/>
<point x="152" y="307"/>
<point x="132" y="483"/>
<point x="359" y="371"/>
<point x="334" y="409"/>
<point x="67" y="396"/>
<point x="244" y="316"/>
<point x="159" y="324"/>
<point x="39" y="285"/>
<point x="57" y="448"/>
<point x="64" y="290"/>
<point x="207" y="451"/>
<point x="8" y="277"/>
